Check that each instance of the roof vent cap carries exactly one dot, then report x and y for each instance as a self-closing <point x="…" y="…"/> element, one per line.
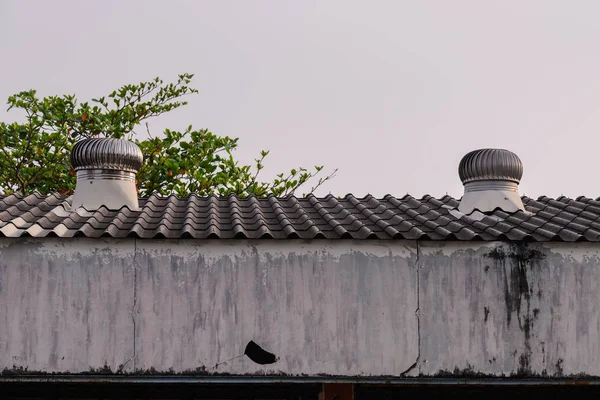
<point x="106" y="169"/>
<point x="491" y="178"/>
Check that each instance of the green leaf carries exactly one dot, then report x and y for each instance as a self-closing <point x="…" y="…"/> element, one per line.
<point x="36" y="149"/>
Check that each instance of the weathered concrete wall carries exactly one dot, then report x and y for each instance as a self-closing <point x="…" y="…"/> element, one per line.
<point x="65" y="306"/>
<point x="323" y="307"/>
<point x="512" y="310"/>
<point x="334" y="309"/>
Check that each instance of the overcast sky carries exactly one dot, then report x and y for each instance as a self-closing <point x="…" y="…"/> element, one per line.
<point x="393" y="93"/>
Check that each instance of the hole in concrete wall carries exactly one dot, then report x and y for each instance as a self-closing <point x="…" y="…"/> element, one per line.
<point x="258" y="354"/>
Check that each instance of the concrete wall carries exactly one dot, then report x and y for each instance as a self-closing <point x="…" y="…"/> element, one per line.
<point x="369" y="308"/>
<point x="510" y="310"/>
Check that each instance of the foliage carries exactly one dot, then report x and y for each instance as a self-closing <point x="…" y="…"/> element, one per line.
<point x="35" y="153"/>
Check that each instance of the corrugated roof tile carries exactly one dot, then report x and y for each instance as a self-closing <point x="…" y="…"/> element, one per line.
<point x="330" y="217"/>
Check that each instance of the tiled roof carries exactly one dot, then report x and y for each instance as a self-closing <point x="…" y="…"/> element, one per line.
<point x="428" y="218"/>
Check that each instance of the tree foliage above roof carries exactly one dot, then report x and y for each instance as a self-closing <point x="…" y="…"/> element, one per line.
<point x="34" y="154"/>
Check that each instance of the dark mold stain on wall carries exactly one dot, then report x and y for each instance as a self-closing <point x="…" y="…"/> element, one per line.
<point x="515" y="260"/>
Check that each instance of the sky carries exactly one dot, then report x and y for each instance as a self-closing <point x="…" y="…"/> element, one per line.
<point x="392" y="93"/>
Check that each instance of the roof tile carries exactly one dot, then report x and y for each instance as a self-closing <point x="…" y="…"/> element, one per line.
<point x="545" y="219"/>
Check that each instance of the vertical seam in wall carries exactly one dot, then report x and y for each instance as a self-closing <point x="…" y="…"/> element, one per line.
<point x="133" y="308"/>
<point x="418" y="311"/>
<point x="416" y="364"/>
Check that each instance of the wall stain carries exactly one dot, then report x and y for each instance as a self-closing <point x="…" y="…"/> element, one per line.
<point x="559" y="368"/>
<point x="515" y="260"/>
<point x="106" y="370"/>
<point x="468" y="372"/>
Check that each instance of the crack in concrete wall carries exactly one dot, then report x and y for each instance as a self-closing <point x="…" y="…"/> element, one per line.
<point x="133" y="312"/>
<point x="416" y="364"/>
